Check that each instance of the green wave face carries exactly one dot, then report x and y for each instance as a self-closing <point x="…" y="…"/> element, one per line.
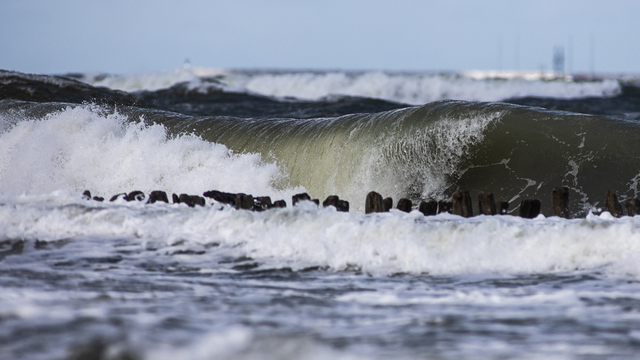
<point x="432" y="150"/>
<point x="411" y="152"/>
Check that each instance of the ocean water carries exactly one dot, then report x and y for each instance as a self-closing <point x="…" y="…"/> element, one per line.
<point x="88" y="279"/>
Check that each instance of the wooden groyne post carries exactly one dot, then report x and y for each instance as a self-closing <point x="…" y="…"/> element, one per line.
<point x="633" y="207"/>
<point x="530" y="208"/>
<point x="373" y="203"/>
<point x="404" y="205"/>
<point x="560" y="202"/>
<point x="428" y="207"/>
<point x="612" y="205"/>
<point x="486" y="204"/>
<point x="462" y="203"/>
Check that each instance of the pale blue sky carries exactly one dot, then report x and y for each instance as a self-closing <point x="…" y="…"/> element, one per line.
<point x="129" y="36"/>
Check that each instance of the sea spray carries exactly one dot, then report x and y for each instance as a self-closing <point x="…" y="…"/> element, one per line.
<point x="87" y="147"/>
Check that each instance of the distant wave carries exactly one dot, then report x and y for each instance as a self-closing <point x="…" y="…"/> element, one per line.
<point x="409" y="88"/>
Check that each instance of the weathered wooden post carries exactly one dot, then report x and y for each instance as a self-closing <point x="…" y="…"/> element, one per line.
<point x="343" y="205"/>
<point x="280" y="204"/>
<point x="486" y="204"/>
<point x="157" y="195"/>
<point x="373" y="203"/>
<point x="445" y="207"/>
<point x="331" y="200"/>
<point x="334" y="200"/>
<point x="244" y="201"/>
<point x="633" y="206"/>
<point x="502" y="207"/>
<point x="404" y="205"/>
<point x="136" y="195"/>
<point x="530" y="208"/>
<point x="222" y="197"/>
<point x="387" y="204"/>
<point x="560" y="202"/>
<point x="428" y="208"/>
<point x="462" y="203"/>
<point x="299" y="197"/>
<point x="262" y="203"/>
<point x="612" y="205"/>
<point x="191" y="200"/>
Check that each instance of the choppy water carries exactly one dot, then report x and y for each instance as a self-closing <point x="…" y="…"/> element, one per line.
<point x="128" y="280"/>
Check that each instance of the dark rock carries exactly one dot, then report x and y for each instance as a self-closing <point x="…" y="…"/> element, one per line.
<point x="98" y="198"/>
<point x="387" y="204"/>
<point x="633" y="206"/>
<point x="404" y="205"/>
<point x="445" y="207"/>
<point x="530" y="208"/>
<point x="299" y="197"/>
<point x="157" y="195"/>
<point x="136" y="195"/>
<point x="560" y="202"/>
<point x="262" y="203"/>
<point x="244" y="201"/>
<point x="486" y="204"/>
<point x="86" y="195"/>
<point x="176" y="199"/>
<point x="502" y="207"/>
<point x="280" y="204"/>
<point x="221" y="197"/>
<point x="373" y="203"/>
<point x="462" y="203"/>
<point x="316" y="201"/>
<point x="428" y="207"/>
<point x="612" y="205"/>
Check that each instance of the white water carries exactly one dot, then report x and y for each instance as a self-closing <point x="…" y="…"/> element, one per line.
<point x="81" y="148"/>
<point x="409" y="88"/>
<point x="306" y="236"/>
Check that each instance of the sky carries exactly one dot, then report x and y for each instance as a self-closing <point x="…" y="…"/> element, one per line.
<point x="131" y="36"/>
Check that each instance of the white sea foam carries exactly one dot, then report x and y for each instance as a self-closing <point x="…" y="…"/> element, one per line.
<point x="420" y="88"/>
<point x="380" y="244"/>
<point x="410" y="88"/>
<point x="153" y="80"/>
<point x="82" y="148"/>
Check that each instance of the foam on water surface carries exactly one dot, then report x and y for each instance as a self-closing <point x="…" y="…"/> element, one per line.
<point x="84" y="148"/>
<point x="410" y="88"/>
<point x="305" y="236"/>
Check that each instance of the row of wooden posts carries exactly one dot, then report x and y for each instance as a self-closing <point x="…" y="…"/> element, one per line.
<point x="460" y="203"/>
<point x="239" y="201"/>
